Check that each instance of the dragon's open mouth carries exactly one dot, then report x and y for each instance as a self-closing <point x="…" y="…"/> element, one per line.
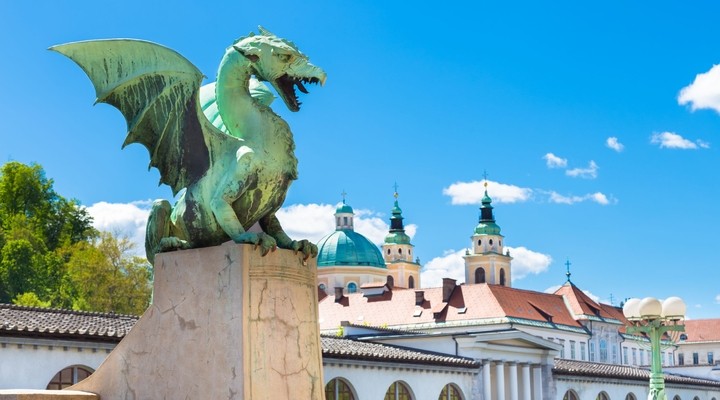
<point x="286" y="87"/>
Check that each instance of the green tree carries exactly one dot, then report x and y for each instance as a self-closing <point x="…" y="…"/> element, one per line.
<point x="29" y="202"/>
<point x="51" y="256"/>
<point x="35" y="225"/>
<point x="105" y="276"/>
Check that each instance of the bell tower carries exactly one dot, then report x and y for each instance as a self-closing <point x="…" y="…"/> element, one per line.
<point x="487" y="261"/>
<point x="398" y="252"/>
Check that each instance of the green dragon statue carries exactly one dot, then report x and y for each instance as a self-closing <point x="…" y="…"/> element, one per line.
<point x="222" y="143"/>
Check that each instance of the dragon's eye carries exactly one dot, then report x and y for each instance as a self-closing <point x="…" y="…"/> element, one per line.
<point x="284" y="57"/>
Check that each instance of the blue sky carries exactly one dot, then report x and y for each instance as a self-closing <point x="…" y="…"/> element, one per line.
<point x="598" y="125"/>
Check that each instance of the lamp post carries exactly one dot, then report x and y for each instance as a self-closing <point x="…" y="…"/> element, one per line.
<point x="653" y="318"/>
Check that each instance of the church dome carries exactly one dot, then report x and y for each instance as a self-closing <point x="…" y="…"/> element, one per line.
<point x="344" y="209"/>
<point x="347" y="247"/>
<point x="487" y="228"/>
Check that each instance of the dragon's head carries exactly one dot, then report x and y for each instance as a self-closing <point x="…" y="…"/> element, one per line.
<point x="279" y="62"/>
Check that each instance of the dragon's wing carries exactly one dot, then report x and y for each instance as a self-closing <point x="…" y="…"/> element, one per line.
<point x="156" y="89"/>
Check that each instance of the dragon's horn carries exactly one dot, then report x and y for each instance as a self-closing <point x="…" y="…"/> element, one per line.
<point x="265" y="32"/>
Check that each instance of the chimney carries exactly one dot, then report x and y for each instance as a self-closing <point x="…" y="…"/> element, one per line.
<point x="448" y="287"/>
<point x="419" y="297"/>
<point x="338" y="294"/>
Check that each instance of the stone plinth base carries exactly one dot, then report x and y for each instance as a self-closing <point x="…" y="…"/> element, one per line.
<point x="46" y="395"/>
<point x="225" y="323"/>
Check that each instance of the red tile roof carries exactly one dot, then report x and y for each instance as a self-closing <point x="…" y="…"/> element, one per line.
<point x="702" y="330"/>
<point x="581" y="304"/>
<point x="467" y="302"/>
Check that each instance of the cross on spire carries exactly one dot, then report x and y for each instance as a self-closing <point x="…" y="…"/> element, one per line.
<point x="485" y="177"/>
<point x="343" y="194"/>
<point x="395" y="186"/>
<point x="567" y="265"/>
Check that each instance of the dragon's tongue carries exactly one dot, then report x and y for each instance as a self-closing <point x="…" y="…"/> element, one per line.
<point x="301" y="87"/>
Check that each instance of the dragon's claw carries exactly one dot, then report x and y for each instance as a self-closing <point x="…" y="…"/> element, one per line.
<point x="306" y="247"/>
<point x="172" y="243"/>
<point x="260" y="239"/>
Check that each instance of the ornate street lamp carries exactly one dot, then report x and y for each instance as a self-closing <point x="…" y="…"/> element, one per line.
<point x="654" y="319"/>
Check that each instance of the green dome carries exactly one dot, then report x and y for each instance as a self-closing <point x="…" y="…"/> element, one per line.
<point x="487" y="228"/>
<point x="344" y="208"/>
<point x="397" y="238"/>
<point x="347" y="247"/>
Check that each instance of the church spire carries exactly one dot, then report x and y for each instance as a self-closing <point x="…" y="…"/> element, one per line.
<point x="397" y="233"/>
<point x="486" y="223"/>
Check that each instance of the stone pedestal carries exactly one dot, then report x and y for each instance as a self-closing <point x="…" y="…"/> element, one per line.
<point x="225" y="323"/>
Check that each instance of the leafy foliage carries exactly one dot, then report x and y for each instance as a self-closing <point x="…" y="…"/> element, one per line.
<point x="50" y="255"/>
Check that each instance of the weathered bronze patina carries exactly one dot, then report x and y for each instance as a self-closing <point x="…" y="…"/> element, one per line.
<point x="232" y="155"/>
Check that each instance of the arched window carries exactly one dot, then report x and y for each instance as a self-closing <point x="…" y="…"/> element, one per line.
<point x="450" y="392"/>
<point x="390" y="281"/>
<point x="399" y="251"/>
<point x="411" y="282"/>
<point x="570" y="395"/>
<point x="502" y="276"/>
<point x="339" y="389"/>
<point x="352" y="287"/>
<point x="398" y="391"/>
<point x="696" y="398"/>
<point x="479" y="242"/>
<point x="677" y="397"/>
<point x="480" y="275"/>
<point x="490" y="242"/>
<point x="68" y="377"/>
<point x="602" y="396"/>
<point x="630" y="396"/>
<point x="388" y="251"/>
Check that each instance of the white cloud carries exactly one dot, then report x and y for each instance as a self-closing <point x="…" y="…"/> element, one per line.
<point x="613" y="143"/>
<point x="315" y="221"/>
<point x="526" y="262"/>
<point x="125" y="219"/>
<point x="589" y="173"/>
<point x="472" y="192"/>
<point x="449" y="265"/>
<point x="671" y="140"/>
<point x="596" y="197"/>
<point x="717" y="299"/>
<point x="704" y="92"/>
<point x="452" y="265"/>
<point x="307" y="221"/>
<point x="553" y="161"/>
